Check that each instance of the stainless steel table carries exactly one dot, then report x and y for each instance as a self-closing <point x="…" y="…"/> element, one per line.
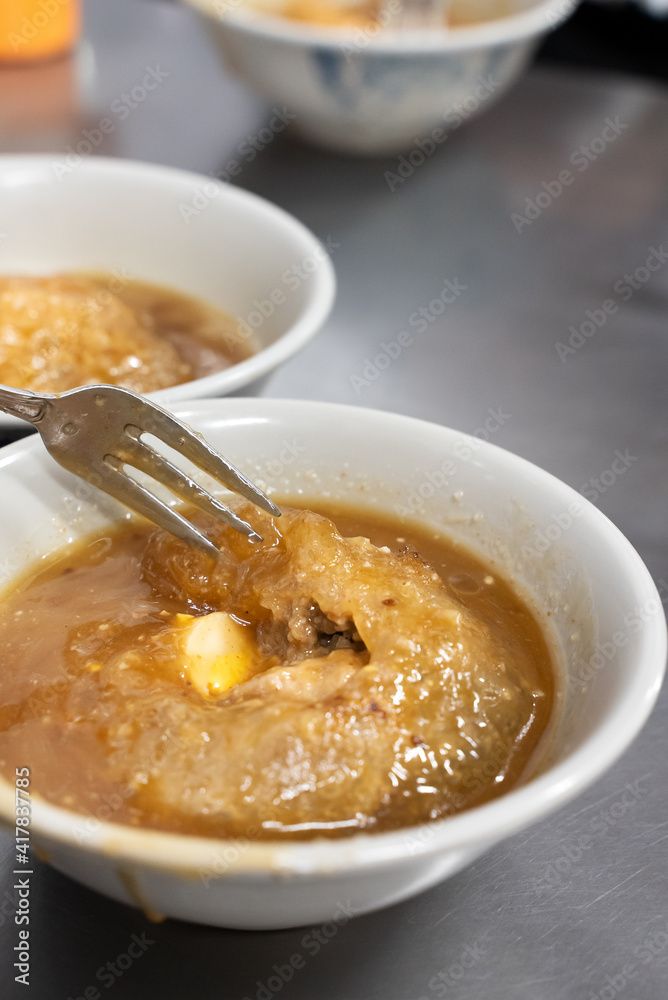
<point x="577" y="907"/>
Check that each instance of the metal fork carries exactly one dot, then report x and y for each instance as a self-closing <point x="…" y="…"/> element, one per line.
<point x="96" y="432"/>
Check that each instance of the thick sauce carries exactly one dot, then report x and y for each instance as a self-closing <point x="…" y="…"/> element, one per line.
<point x="62" y="331"/>
<point x="361" y="688"/>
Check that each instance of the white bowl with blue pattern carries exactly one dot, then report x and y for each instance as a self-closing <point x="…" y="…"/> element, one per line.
<point x="374" y="93"/>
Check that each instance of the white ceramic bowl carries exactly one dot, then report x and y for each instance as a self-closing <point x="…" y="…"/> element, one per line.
<point x="555" y="545"/>
<point x="379" y="92"/>
<point x="175" y="228"/>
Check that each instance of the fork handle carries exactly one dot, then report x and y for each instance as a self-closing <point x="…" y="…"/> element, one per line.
<point x="22" y="403"/>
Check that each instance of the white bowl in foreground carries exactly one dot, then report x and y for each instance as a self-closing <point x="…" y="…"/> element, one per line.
<point x="372" y="91"/>
<point x="170" y="227"/>
<point x="557" y="548"/>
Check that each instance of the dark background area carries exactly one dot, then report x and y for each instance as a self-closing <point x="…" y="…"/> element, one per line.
<point x="620" y="37"/>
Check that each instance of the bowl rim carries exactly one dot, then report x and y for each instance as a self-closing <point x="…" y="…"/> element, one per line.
<point x="313" y="314"/>
<point x="535" y="20"/>
<point x="191" y="856"/>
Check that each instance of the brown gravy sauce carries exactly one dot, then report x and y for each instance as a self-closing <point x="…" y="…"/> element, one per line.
<point x="67" y="619"/>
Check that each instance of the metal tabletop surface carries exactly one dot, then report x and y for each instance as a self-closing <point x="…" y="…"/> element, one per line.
<point x="554" y="345"/>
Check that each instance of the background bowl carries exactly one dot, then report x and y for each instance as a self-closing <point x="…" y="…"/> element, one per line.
<point x="587" y="585"/>
<point x="372" y="92"/>
<point x="192" y="233"/>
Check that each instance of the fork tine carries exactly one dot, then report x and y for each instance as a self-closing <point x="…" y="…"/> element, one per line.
<point x="141" y="456"/>
<point x="192" y="446"/>
<point x="133" y="495"/>
<point x="94" y="431"/>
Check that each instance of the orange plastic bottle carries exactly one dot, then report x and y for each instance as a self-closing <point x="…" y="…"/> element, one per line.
<point x="38" y="29"/>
